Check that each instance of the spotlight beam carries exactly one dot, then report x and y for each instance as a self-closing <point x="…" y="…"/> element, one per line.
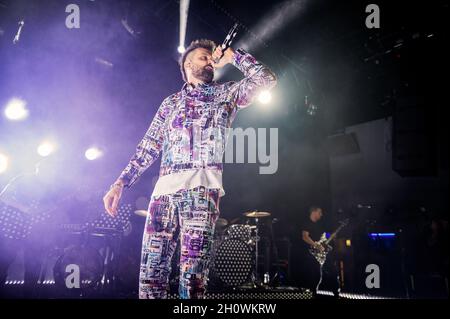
<point x="272" y="23"/>
<point x="267" y="27"/>
<point x="184" y="9"/>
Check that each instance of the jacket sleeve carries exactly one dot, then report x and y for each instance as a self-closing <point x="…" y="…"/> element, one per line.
<point x="149" y="148"/>
<point x="257" y="77"/>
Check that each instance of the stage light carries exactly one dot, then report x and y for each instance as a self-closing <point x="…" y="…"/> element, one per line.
<point x="93" y="153"/>
<point x="45" y="149"/>
<point x="265" y="97"/>
<point x="375" y="235"/>
<point x="273" y="22"/>
<point x="16" y="109"/>
<point x="3" y="163"/>
<point x="184" y="9"/>
<point x="348" y="243"/>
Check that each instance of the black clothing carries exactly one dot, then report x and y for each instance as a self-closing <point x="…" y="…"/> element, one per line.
<point x="315" y="230"/>
<point x="309" y="274"/>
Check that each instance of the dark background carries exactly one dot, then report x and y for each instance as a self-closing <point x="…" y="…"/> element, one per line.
<point x="354" y="75"/>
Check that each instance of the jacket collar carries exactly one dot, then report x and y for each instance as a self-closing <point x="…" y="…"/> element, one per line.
<point x="188" y="87"/>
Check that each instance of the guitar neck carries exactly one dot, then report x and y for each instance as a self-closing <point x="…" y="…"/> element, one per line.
<point x="334" y="234"/>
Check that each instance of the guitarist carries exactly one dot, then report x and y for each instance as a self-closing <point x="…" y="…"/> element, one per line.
<point x="312" y="230"/>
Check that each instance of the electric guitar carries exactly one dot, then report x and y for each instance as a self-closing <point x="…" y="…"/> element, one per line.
<point x="321" y="255"/>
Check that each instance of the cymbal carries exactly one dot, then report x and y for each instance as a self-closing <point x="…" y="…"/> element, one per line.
<point x="141" y="212"/>
<point x="256" y="214"/>
<point x="221" y="222"/>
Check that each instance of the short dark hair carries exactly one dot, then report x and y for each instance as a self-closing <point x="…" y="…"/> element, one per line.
<point x="313" y="208"/>
<point x="200" y="43"/>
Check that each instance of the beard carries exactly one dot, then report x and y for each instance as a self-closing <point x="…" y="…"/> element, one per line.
<point x="204" y="74"/>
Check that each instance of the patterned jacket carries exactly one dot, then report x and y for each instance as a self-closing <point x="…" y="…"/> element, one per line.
<point x="190" y="126"/>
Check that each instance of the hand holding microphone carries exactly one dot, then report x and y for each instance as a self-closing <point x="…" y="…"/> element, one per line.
<point x="221" y="57"/>
<point x="223" y="54"/>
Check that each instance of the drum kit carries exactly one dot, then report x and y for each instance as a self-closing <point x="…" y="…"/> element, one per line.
<point x="235" y="254"/>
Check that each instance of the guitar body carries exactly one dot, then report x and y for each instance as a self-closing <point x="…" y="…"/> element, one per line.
<point x="321" y="255"/>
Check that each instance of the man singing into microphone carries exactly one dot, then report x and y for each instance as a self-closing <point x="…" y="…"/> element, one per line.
<point x="190" y="129"/>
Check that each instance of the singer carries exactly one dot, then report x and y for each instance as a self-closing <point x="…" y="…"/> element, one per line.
<point x="189" y="129"/>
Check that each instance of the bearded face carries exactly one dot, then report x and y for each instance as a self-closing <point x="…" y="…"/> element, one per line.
<point x="205" y="73"/>
<point x="200" y="64"/>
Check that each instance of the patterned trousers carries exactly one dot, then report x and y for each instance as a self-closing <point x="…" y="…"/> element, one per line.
<point x="190" y="215"/>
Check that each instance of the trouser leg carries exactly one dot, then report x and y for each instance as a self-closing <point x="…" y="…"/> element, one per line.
<point x="331" y="275"/>
<point x="158" y="246"/>
<point x="198" y="210"/>
<point x="311" y="272"/>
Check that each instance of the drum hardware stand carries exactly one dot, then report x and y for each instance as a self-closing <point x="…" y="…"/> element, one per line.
<point x="256" y="282"/>
<point x="110" y="261"/>
<point x="256" y="279"/>
<point x="274" y="254"/>
<point x="84" y="243"/>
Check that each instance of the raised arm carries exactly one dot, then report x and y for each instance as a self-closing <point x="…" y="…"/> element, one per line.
<point x="257" y="77"/>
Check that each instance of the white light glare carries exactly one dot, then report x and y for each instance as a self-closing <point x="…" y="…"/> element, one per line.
<point x="93" y="153"/>
<point x="181" y="49"/>
<point x="16" y="109"/>
<point x="265" y="97"/>
<point x="45" y="149"/>
<point x="3" y="163"/>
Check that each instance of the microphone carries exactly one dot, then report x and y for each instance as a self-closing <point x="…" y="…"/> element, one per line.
<point x="227" y="42"/>
<point x="19" y="31"/>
